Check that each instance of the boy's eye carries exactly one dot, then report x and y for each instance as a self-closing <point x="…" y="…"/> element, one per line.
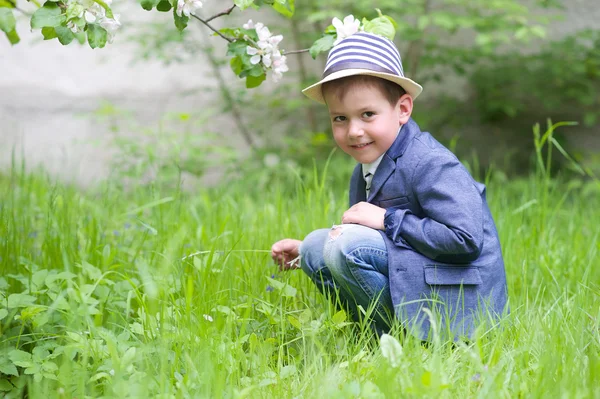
<point x="339" y="118"/>
<point x="368" y="114"/>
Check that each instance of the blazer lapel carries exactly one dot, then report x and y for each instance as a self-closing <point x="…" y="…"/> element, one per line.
<point x="388" y="162"/>
<point x="357" y="186"/>
<point x="383" y="172"/>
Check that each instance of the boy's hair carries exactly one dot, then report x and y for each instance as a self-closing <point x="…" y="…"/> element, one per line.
<point x="390" y="90"/>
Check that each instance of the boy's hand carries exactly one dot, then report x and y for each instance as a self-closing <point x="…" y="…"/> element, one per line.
<point x="284" y="252"/>
<point x="365" y="214"/>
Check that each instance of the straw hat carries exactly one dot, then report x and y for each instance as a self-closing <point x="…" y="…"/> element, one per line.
<point x="364" y="54"/>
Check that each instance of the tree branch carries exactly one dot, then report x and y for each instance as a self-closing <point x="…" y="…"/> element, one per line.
<point x="416" y="46"/>
<point x="229" y="98"/>
<point x="229" y="39"/>
<point x="310" y="112"/>
<point x="213" y="29"/>
<point x="14" y="5"/>
<point x="226" y="12"/>
<point x="23" y="12"/>
<point x="305" y="50"/>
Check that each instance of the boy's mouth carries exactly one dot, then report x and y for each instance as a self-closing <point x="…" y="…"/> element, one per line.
<point x="360" y="146"/>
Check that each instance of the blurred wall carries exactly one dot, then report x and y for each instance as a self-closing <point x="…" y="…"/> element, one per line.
<point x="48" y="93"/>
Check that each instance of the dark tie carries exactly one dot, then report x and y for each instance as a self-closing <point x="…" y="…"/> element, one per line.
<point x="368" y="179"/>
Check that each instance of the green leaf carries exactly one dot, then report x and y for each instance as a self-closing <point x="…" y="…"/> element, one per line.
<point x="294" y="322"/>
<point x="3" y="313"/>
<point x="64" y="34"/>
<point x="7" y="20"/>
<point x="237" y="65"/>
<point x="256" y="71"/>
<point x="20" y="358"/>
<point x="286" y="289"/>
<point x="128" y="357"/>
<point x="13" y="37"/>
<point x="102" y="4"/>
<point x="20" y="300"/>
<point x="80" y="36"/>
<point x="243" y="4"/>
<point x="381" y="25"/>
<point x="180" y="22"/>
<point x="96" y="36"/>
<point x="6" y="386"/>
<point x="237" y="47"/>
<point x="323" y="44"/>
<point x="164" y="6"/>
<point x="48" y="33"/>
<point x="7" y="4"/>
<point x="231" y="32"/>
<point x="148" y="5"/>
<point x="39" y="277"/>
<point x="339" y="317"/>
<point x="286" y="9"/>
<point x="6" y="367"/>
<point x="50" y="15"/>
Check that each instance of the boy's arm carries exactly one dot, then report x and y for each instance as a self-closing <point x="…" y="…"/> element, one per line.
<point x="452" y="229"/>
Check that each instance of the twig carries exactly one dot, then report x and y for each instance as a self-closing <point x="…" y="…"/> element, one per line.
<point x="310" y="111"/>
<point x="213" y="29"/>
<point x="305" y="50"/>
<point x="14" y="5"/>
<point x="226" y="12"/>
<point x="231" y="40"/>
<point x="228" y="97"/>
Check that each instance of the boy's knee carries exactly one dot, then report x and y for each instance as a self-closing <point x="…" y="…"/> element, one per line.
<point x="313" y="242"/>
<point x="311" y="250"/>
<point x="343" y="239"/>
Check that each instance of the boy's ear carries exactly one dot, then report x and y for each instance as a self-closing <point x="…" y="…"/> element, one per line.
<point x="404" y="108"/>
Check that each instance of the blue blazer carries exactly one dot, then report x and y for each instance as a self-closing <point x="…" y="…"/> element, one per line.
<point x="443" y="248"/>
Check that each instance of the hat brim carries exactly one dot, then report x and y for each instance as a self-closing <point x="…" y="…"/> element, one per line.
<point x="314" y="91"/>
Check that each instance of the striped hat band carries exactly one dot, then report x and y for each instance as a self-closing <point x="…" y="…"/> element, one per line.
<point x="364" y="50"/>
<point x="364" y="54"/>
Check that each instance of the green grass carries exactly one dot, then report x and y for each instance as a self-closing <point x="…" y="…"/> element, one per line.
<point x="99" y="296"/>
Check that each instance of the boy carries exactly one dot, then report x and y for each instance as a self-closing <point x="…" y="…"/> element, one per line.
<point x="418" y="233"/>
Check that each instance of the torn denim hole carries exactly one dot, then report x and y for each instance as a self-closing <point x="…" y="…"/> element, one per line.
<point x="335" y="232"/>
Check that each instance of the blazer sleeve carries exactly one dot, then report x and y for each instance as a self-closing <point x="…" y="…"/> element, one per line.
<point x="451" y="229"/>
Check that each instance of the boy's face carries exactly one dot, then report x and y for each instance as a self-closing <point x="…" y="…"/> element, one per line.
<point x="364" y="122"/>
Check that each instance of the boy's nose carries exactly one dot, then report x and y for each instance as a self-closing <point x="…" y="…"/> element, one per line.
<point x="355" y="130"/>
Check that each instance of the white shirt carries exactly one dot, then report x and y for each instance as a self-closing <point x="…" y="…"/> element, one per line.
<point x="369" y="169"/>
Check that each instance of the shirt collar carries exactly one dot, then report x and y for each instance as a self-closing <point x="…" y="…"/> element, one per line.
<point x="372" y="167"/>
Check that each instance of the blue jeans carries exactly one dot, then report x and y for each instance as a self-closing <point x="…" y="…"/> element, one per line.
<point x="349" y="263"/>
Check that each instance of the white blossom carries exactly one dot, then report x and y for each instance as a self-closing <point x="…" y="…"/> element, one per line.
<point x="111" y="25"/>
<point x="279" y="66"/>
<point x="187" y="7"/>
<point x="90" y="12"/>
<point x="254" y="52"/>
<point x="344" y="29"/>
<point x="90" y="17"/>
<point x="262" y="31"/>
<point x="267" y="51"/>
<point x="207" y="317"/>
<point x="248" y="25"/>
<point x="74" y="27"/>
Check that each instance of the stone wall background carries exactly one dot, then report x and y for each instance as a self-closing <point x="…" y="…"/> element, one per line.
<point x="48" y="94"/>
